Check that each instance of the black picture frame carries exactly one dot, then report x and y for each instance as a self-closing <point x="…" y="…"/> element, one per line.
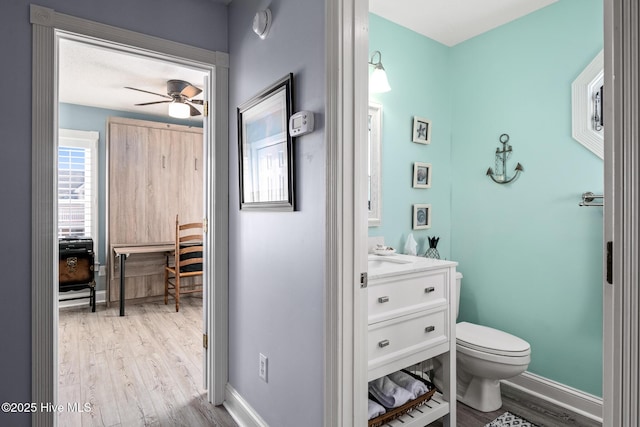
<point x="265" y="149"/>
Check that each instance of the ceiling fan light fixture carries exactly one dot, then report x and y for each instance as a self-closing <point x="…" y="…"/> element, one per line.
<point x="179" y="110"/>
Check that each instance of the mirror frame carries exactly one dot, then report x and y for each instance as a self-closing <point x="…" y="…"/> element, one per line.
<point x="375" y="164"/>
<point x="582" y="106"/>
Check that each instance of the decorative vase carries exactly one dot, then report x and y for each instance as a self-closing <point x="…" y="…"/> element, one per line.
<point x="432" y="252"/>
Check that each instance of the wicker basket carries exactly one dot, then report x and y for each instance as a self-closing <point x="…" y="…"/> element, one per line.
<point x="394" y="413"/>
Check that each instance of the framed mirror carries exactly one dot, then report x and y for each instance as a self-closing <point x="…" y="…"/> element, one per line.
<point x="265" y="150"/>
<point x="374" y="164"/>
<point x="587" y="122"/>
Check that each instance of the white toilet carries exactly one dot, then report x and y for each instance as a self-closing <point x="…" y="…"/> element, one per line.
<point x="484" y="357"/>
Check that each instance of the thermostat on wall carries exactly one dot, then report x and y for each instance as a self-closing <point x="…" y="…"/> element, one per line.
<point x="301" y="123"/>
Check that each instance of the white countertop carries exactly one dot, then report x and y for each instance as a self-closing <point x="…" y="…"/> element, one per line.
<point x="388" y="265"/>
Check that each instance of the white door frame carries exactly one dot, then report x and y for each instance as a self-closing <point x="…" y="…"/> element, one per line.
<point x="346" y="41"/>
<point x="46" y="25"/>
<point x="621" y="373"/>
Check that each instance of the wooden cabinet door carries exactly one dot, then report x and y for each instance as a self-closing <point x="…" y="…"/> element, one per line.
<point x="163" y="174"/>
<point x="128" y="150"/>
<point x="190" y="185"/>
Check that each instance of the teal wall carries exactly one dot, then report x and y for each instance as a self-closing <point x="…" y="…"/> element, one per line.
<point x="418" y="70"/>
<point x="531" y="257"/>
<point x="79" y="117"/>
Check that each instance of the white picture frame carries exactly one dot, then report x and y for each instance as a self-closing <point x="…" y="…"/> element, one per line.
<point x="421" y="130"/>
<point x="421" y="216"/>
<point x="421" y="175"/>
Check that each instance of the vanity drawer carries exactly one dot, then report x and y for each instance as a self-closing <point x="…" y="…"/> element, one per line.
<point x="399" y="295"/>
<point x="402" y="337"/>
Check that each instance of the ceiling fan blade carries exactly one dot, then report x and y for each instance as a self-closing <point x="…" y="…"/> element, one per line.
<point x="155" y="102"/>
<point x="196" y="101"/>
<point x="146" y="91"/>
<point x="190" y="91"/>
<point x="194" y="110"/>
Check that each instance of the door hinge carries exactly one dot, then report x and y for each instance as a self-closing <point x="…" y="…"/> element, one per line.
<point x="205" y="341"/>
<point x="610" y="263"/>
<point x="205" y="108"/>
<point x="205" y="225"/>
<point x="363" y="280"/>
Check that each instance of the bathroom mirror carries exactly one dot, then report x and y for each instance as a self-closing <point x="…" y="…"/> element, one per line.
<point x="586" y="107"/>
<point x="374" y="169"/>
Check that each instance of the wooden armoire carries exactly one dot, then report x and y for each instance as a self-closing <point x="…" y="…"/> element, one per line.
<point x="155" y="172"/>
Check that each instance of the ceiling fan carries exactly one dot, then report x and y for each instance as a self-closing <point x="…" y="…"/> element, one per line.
<point x="179" y="96"/>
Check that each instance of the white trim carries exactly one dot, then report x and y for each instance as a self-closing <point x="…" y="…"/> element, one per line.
<point x="561" y="395"/>
<point x="47" y="26"/>
<point x="101" y="297"/>
<point x="375" y="164"/>
<point x="582" y="109"/>
<point x="240" y="410"/>
<point x="86" y="140"/>
<point x="611" y="372"/>
<point x="622" y="214"/>
<point x="346" y="42"/>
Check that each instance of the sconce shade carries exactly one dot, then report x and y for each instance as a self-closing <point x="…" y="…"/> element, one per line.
<point x="179" y="110"/>
<point x="378" y="82"/>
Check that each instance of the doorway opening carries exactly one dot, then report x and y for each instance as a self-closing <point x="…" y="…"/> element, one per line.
<point x="49" y="28"/>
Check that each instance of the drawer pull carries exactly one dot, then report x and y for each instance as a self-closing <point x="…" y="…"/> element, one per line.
<point x="383" y="343"/>
<point x="430" y="329"/>
<point x="429" y="289"/>
<point x="383" y="299"/>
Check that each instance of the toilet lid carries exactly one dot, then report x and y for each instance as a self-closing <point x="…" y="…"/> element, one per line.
<point x="490" y="340"/>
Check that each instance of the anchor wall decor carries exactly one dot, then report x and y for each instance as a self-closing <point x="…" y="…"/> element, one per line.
<point x="500" y="175"/>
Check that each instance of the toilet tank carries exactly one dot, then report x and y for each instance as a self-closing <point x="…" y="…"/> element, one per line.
<point x="458" y="283"/>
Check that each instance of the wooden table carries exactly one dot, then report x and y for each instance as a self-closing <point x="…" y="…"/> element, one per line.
<point x="123" y="251"/>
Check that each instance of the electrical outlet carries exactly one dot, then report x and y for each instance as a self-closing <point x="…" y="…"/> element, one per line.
<point x="262" y="368"/>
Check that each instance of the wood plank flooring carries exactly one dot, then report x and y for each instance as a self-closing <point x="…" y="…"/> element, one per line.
<point x="144" y="369"/>
<point x="537" y="411"/>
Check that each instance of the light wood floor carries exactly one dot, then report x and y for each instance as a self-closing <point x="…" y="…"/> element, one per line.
<point x="144" y="369"/>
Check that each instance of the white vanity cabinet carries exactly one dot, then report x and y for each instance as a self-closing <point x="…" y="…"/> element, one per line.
<point x="411" y="318"/>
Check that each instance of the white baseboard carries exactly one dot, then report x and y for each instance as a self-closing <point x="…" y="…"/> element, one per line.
<point x="101" y="296"/>
<point x="240" y="410"/>
<point x="564" y="396"/>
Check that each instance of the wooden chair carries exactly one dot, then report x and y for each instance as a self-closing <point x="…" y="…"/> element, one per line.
<point x="187" y="263"/>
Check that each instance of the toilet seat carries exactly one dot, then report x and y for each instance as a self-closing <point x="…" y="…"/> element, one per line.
<point x="490" y="341"/>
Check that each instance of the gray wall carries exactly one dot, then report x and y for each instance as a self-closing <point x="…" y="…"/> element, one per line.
<point x="276" y="271"/>
<point x="200" y="23"/>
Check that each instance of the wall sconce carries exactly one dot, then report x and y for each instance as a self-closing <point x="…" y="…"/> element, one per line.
<point x="502" y="155"/>
<point x="378" y="81"/>
<point x="262" y="23"/>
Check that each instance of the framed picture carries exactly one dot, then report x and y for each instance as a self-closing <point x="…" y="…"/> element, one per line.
<point x="265" y="149"/>
<point x="421" y="130"/>
<point x="421" y="175"/>
<point x="421" y="216"/>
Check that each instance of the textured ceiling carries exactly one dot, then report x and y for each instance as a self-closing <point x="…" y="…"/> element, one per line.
<point x="96" y="76"/>
<point x="453" y="21"/>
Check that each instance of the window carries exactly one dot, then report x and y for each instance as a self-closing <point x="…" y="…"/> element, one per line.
<point x="78" y="184"/>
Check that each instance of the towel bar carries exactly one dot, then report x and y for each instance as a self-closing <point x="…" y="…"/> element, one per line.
<point x="588" y="199"/>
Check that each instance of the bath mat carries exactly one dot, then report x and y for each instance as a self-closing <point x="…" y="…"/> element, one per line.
<point x="509" y="420"/>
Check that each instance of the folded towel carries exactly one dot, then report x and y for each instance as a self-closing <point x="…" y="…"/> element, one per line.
<point x="375" y="409"/>
<point x="406" y="381"/>
<point x="390" y="394"/>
